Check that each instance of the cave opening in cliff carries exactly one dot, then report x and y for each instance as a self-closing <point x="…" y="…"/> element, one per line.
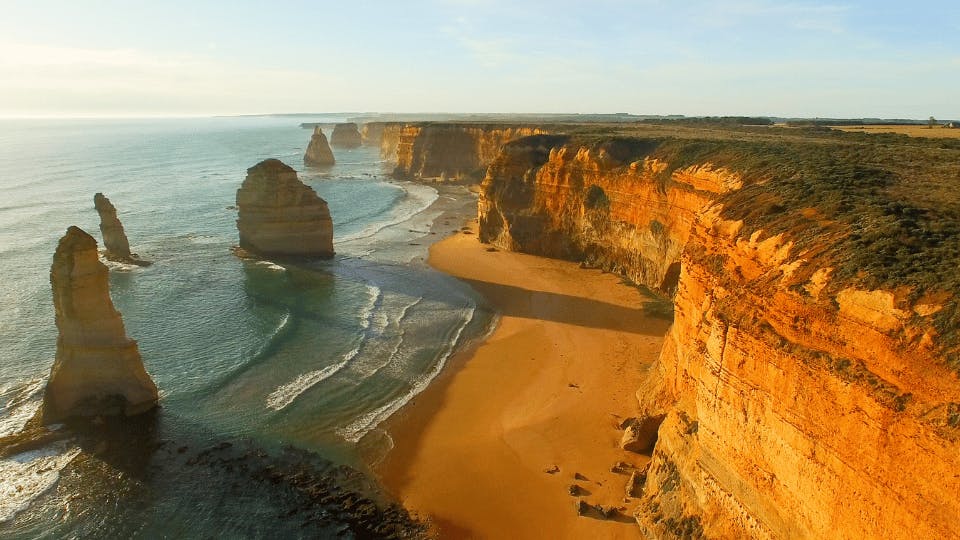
<point x="671" y="279"/>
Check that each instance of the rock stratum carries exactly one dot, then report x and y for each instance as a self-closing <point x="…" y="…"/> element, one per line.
<point x="346" y="136"/>
<point x="98" y="369"/>
<point x="278" y="215"/>
<point x="117" y="247"/>
<point x="318" y="152"/>
<point x="446" y="151"/>
<point x="809" y="385"/>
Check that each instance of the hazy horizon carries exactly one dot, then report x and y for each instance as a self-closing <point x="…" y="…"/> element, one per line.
<point x="746" y="57"/>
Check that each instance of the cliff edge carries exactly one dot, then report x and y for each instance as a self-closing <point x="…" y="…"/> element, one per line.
<point x="97" y="370"/>
<point x="278" y="215"/>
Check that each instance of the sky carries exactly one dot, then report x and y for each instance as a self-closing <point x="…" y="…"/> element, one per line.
<point x="737" y="57"/>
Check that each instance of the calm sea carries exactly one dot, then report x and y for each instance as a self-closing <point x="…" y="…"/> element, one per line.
<point x="316" y="356"/>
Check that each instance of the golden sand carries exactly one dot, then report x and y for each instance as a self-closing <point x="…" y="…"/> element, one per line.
<point x="546" y="389"/>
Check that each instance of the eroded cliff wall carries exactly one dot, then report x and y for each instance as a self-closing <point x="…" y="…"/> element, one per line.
<point x="447" y="151"/>
<point x="799" y="402"/>
<point x="606" y="203"/>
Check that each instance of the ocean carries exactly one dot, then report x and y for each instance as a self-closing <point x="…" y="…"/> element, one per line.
<point x="308" y="358"/>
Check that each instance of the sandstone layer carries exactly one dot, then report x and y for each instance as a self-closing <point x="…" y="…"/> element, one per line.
<point x="318" y="152"/>
<point x="447" y="151"/>
<point x="98" y="369"/>
<point x="795" y="401"/>
<point x="346" y="136"/>
<point x="114" y="238"/>
<point x="278" y="215"/>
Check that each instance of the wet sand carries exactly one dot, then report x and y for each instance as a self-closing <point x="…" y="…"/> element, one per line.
<point x="545" y="390"/>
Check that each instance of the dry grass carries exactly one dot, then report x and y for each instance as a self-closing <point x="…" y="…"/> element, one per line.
<point x="938" y="132"/>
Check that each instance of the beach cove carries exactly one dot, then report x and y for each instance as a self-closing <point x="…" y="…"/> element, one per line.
<point x="544" y="392"/>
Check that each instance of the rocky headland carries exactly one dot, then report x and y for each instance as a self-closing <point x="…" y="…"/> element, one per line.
<point x="278" y="215"/>
<point x="446" y="152"/>
<point x="98" y="369"/>
<point x="346" y="136"/>
<point x="318" y="152"/>
<point x="117" y="247"/>
<point x="808" y="386"/>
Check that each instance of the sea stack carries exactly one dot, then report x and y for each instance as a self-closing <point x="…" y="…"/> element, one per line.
<point x="97" y="370"/>
<point x="318" y="151"/>
<point x="281" y="216"/>
<point x="114" y="238"/>
<point x="346" y="136"/>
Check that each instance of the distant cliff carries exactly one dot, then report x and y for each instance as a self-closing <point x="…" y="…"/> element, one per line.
<point x="346" y="136"/>
<point x="278" y="215"/>
<point x="97" y="370"/>
<point x="446" y="151"/>
<point x="809" y="383"/>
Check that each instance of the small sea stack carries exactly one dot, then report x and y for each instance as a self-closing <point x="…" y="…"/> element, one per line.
<point x="114" y="238"/>
<point x="278" y="215"/>
<point x="318" y="151"/>
<point x="98" y="370"/>
<point x="346" y="136"/>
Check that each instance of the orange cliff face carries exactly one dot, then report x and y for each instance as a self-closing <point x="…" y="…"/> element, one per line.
<point x="595" y="203"/>
<point x="793" y="412"/>
<point x="798" y="404"/>
<point x="446" y="151"/>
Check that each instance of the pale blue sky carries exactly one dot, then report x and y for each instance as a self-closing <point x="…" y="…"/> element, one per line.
<point x="751" y="57"/>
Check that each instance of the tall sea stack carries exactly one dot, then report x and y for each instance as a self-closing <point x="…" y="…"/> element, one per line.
<point x="318" y="151"/>
<point x="346" y="136"/>
<point x="114" y="238"/>
<point x="281" y="216"/>
<point x="97" y="370"/>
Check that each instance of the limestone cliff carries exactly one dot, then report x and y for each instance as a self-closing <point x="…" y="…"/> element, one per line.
<point x="318" y="152"/>
<point x="346" y="136"/>
<point x="97" y="370"/>
<point x="806" y="393"/>
<point x="371" y="133"/>
<point x="606" y="203"/>
<point x="448" y="151"/>
<point x="278" y="215"/>
<point x="114" y="238"/>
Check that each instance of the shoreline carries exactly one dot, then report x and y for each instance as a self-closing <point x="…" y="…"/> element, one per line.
<point x="546" y="388"/>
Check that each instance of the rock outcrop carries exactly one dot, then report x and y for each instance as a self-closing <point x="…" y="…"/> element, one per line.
<point x="797" y="401"/>
<point x="117" y="247"/>
<point x="346" y="136"/>
<point x="318" y="152"/>
<point x="448" y="151"/>
<point x="278" y="215"/>
<point x="98" y="369"/>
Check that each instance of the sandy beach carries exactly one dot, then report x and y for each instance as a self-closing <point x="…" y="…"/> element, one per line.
<point x="545" y="391"/>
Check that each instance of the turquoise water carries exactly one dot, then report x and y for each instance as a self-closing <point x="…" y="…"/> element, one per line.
<point x="316" y="356"/>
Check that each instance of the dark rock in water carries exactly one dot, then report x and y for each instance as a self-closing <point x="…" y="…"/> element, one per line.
<point x="346" y="136"/>
<point x="128" y="482"/>
<point x="97" y="369"/>
<point x="575" y="490"/>
<point x="114" y="238"/>
<point x="582" y="507"/>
